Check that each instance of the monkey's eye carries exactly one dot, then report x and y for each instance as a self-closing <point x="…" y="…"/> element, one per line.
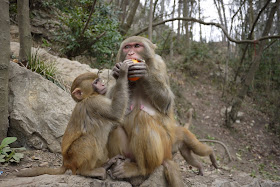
<point x="96" y="81"/>
<point x="127" y="46"/>
<point x="137" y="45"/>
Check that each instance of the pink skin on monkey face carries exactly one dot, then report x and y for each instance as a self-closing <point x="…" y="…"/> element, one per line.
<point x="132" y="50"/>
<point x="99" y="86"/>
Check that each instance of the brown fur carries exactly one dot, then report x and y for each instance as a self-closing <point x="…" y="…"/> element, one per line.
<point x="151" y="136"/>
<point x="84" y="142"/>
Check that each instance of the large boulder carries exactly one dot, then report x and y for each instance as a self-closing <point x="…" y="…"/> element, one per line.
<point x="67" y="70"/>
<point x="39" y="110"/>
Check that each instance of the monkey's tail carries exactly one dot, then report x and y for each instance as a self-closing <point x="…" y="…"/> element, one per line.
<point x="41" y="171"/>
<point x="172" y="174"/>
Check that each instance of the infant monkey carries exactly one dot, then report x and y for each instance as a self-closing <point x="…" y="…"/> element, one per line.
<point x="84" y="142"/>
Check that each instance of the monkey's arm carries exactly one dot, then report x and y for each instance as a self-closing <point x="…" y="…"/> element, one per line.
<point x="156" y="86"/>
<point x="114" y="106"/>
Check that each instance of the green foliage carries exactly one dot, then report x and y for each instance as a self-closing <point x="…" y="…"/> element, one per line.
<point x="8" y="154"/>
<point x="101" y="37"/>
<point x="47" y="70"/>
<point x="45" y="43"/>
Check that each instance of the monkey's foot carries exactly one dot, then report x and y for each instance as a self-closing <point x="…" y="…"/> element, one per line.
<point x="213" y="160"/>
<point x="112" y="161"/>
<point x="124" y="169"/>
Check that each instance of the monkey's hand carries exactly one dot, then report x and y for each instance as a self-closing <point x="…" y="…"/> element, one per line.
<point x="116" y="70"/>
<point x="137" y="69"/>
<point x="123" y="70"/>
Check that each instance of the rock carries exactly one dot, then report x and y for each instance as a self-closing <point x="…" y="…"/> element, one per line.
<point x="156" y="179"/>
<point x="224" y="109"/>
<point x="67" y="69"/>
<point x="44" y="164"/>
<point x="224" y="183"/>
<point x="60" y="181"/>
<point x="39" y="110"/>
<point x="240" y="115"/>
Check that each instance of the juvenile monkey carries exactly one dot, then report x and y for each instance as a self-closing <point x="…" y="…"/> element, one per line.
<point x="149" y="130"/>
<point x="84" y="142"/>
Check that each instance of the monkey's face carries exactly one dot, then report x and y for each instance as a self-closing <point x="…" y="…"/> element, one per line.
<point x="99" y="86"/>
<point x="133" y="50"/>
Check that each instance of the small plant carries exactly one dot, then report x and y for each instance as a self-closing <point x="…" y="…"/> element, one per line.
<point x="8" y="154"/>
<point x="45" y="43"/>
<point x="47" y="70"/>
<point x="35" y="64"/>
<point x="253" y="174"/>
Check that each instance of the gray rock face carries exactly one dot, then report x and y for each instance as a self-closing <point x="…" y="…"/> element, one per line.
<point x="157" y="179"/>
<point x="39" y="110"/>
<point x="60" y="181"/>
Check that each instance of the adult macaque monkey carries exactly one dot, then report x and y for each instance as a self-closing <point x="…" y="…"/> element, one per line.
<point x="149" y="129"/>
<point x="84" y="142"/>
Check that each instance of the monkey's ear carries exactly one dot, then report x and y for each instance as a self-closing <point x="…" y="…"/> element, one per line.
<point x="77" y="93"/>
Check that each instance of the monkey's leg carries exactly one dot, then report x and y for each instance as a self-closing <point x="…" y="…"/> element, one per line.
<point x="118" y="143"/>
<point x="192" y="143"/>
<point x="172" y="173"/>
<point x="190" y="159"/>
<point x="99" y="173"/>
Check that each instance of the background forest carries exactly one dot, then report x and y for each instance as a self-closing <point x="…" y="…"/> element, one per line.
<point x="232" y="45"/>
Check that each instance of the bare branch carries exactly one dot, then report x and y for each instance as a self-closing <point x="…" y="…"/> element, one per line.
<point x="213" y="24"/>
<point x="91" y="12"/>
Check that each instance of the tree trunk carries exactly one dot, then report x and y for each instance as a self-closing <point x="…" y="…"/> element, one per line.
<point x="4" y="67"/>
<point x="126" y="26"/>
<point x="186" y="14"/>
<point x="224" y="15"/>
<point x="251" y="73"/>
<point x="278" y="21"/>
<point x="172" y="41"/>
<point x="150" y="31"/>
<point x="154" y="9"/>
<point x="162" y="10"/>
<point x="220" y="15"/>
<point x="179" y="22"/>
<point x="199" y="17"/>
<point x="123" y="6"/>
<point x="25" y="38"/>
